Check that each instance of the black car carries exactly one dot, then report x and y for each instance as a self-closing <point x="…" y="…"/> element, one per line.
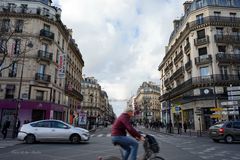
<point x="228" y="131"/>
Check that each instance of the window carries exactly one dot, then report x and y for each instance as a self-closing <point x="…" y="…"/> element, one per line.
<point x="59" y="125"/>
<point x="230" y="3"/>
<point x="233" y="16"/>
<point x="41" y="69"/>
<point x="217" y="15"/>
<point x="17" y="46"/>
<point x="222" y="49"/>
<point x="19" y="26"/>
<point x="224" y="72"/>
<point x="199" y="4"/>
<point x="199" y="19"/>
<point x="202" y="52"/>
<point x="44" y="48"/>
<point x="236" y="125"/>
<point x="63" y="44"/>
<point x="46" y="27"/>
<point x="10" y="89"/>
<point x="40" y="95"/>
<point x="3" y="45"/>
<point x="229" y="125"/>
<point x="204" y="72"/>
<point x="201" y="34"/>
<point x="219" y="30"/>
<point x="45" y="124"/>
<point x="5" y="25"/>
<point x="13" y="70"/>
<point x="45" y="12"/>
<point x="24" y="8"/>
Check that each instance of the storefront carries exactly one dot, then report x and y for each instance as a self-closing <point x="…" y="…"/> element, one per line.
<point x="31" y="111"/>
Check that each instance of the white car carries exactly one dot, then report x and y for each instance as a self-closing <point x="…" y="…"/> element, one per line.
<point x="52" y="130"/>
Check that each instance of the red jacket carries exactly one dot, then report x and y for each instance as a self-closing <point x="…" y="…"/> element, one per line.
<point x="122" y="125"/>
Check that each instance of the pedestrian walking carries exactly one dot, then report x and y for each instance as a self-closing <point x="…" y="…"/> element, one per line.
<point x="6" y="125"/>
<point x="17" y="127"/>
<point x="179" y="128"/>
<point x="185" y="126"/>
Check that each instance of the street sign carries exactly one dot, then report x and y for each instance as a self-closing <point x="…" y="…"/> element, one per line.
<point x="229" y="103"/>
<point x="216" y="116"/>
<point x="216" y="109"/>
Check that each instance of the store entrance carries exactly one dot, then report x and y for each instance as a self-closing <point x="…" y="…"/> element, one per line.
<point x="38" y="114"/>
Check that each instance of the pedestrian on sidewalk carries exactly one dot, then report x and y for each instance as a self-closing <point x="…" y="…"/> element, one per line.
<point x="185" y="126"/>
<point x="6" y="125"/>
<point x="179" y="127"/>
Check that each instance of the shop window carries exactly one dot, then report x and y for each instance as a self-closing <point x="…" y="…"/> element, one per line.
<point x="40" y="95"/>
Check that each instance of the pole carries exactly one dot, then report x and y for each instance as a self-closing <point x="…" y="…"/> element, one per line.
<point x="18" y="98"/>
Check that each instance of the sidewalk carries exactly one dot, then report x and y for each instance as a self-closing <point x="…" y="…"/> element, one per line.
<point x="182" y="133"/>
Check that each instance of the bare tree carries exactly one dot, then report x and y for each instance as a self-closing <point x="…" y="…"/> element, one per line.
<point x="12" y="44"/>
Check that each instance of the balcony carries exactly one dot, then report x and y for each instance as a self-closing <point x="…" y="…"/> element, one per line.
<point x="215" y="21"/>
<point x="204" y="59"/>
<point x="187" y="47"/>
<point x="73" y="92"/>
<point x="42" y="78"/>
<point x="202" y="81"/>
<point x="47" y="35"/>
<point x="201" y="41"/>
<point x="177" y="73"/>
<point x="233" y="39"/>
<point x="178" y="57"/>
<point x="228" y="58"/>
<point x="188" y="65"/>
<point x="45" y="56"/>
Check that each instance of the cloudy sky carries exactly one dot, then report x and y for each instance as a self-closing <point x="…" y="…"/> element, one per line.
<point x="122" y="41"/>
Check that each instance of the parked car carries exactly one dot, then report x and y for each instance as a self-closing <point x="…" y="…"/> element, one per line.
<point x="228" y="131"/>
<point x="52" y="130"/>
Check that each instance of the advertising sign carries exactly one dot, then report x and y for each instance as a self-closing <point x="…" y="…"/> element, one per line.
<point x="82" y="118"/>
<point x="62" y="65"/>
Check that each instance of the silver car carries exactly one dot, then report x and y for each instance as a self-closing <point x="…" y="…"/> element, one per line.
<point x="52" y="130"/>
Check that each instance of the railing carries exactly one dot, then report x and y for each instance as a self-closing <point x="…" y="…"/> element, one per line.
<point x="177" y="73"/>
<point x="187" y="47"/>
<point x="178" y="57"/>
<point x="228" y="58"/>
<point x="188" y="65"/>
<point x="73" y="92"/>
<point x="27" y="10"/>
<point x="47" y="34"/>
<point x="205" y="59"/>
<point x="42" y="77"/>
<point x="220" y="38"/>
<point x="196" y="82"/>
<point x="215" y="19"/>
<point x="201" y="41"/>
<point x="46" y="56"/>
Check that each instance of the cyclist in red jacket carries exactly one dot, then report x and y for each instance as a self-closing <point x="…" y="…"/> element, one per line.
<point x="119" y="134"/>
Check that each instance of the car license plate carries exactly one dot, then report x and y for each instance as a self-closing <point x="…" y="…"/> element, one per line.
<point x="213" y="132"/>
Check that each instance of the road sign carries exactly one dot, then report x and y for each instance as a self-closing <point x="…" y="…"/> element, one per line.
<point x="216" y="116"/>
<point x="229" y="103"/>
<point x="216" y="109"/>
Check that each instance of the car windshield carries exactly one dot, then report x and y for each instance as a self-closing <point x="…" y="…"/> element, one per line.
<point x="219" y="125"/>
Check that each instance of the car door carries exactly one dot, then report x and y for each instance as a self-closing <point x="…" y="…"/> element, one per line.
<point x="42" y="129"/>
<point x="60" y="131"/>
<point x="236" y="130"/>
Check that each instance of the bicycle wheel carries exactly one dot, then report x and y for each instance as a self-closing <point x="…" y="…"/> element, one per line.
<point x="156" y="158"/>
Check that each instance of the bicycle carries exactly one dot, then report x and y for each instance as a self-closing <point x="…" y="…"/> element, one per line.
<point x="151" y="150"/>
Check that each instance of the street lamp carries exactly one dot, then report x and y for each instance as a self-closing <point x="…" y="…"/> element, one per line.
<point x="90" y="117"/>
<point x="30" y="45"/>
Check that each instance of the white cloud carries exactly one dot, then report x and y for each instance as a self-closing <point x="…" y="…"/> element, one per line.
<point x="122" y="41"/>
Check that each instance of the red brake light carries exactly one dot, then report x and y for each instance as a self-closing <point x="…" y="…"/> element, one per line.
<point x="221" y="130"/>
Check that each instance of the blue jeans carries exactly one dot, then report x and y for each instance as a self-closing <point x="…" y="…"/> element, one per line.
<point x="129" y="145"/>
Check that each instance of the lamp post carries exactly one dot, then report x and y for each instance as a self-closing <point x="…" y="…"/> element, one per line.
<point x="90" y="117"/>
<point x="30" y="45"/>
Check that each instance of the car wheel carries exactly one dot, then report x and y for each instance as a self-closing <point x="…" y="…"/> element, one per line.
<point x="75" y="138"/>
<point x="215" y="140"/>
<point x="228" y="139"/>
<point x="30" y="139"/>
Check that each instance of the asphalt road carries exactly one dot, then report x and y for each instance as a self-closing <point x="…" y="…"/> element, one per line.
<point x="171" y="148"/>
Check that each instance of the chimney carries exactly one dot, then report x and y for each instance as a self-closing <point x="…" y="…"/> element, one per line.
<point x="186" y="5"/>
<point x="176" y="23"/>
